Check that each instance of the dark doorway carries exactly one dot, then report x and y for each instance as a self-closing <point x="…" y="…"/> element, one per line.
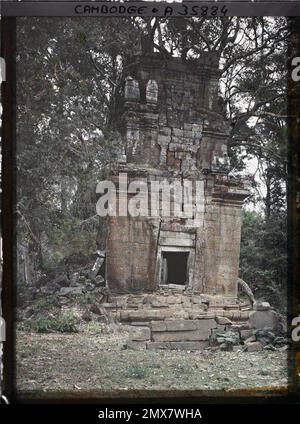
<point x="174" y="270"/>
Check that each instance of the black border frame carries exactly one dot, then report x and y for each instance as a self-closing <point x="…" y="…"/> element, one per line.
<point x="8" y="45"/>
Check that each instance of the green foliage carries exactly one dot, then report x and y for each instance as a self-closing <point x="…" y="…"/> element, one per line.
<point x="263" y="259"/>
<point x="66" y="323"/>
<point x="71" y="237"/>
<point x="67" y="74"/>
<point x="45" y="304"/>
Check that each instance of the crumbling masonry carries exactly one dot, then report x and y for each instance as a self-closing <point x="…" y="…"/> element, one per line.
<point x="171" y="274"/>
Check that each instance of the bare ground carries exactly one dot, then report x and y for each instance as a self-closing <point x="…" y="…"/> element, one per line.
<point x="91" y="361"/>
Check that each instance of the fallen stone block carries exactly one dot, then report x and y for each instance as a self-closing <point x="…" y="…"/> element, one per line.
<point x="261" y="306"/>
<point x="180" y="336"/>
<point x="254" y="347"/>
<point x="223" y="320"/>
<point x="263" y="319"/>
<point x="250" y="339"/>
<point x="245" y="334"/>
<point x="65" y="291"/>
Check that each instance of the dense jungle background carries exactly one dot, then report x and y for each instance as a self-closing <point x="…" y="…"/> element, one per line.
<point x="69" y="75"/>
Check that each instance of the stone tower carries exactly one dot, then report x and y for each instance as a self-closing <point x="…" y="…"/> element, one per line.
<point x="173" y="130"/>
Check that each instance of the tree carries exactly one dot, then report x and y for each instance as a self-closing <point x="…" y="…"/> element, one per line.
<point x="67" y="78"/>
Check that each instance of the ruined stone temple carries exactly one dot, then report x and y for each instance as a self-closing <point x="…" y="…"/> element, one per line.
<point x="162" y="268"/>
<point x="173" y="129"/>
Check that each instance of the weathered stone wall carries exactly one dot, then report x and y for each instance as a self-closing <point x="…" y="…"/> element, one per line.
<point x="165" y="127"/>
<point x="131" y="254"/>
<point x="221" y="253"/>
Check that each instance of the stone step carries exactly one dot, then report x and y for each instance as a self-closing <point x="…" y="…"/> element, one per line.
<point x="165" y="311"/>
<point x="151" y="314"/>
<point x="190" y="345"/>
<point x="182" y="325"/>
<point x="182" y="330"/>
<point x="179" y="336"/>
<point x="170" y="312"/>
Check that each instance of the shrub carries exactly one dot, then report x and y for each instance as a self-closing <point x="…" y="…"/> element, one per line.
<point x="66" y="323"/>
<point x="46" y="304"/>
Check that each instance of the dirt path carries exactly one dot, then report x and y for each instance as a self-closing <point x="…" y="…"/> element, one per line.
<point x="96" y="362"/>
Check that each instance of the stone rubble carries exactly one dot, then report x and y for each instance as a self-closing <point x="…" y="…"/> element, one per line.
<point x="177" y="319"/>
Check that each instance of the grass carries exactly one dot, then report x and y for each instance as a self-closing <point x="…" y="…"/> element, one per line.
<point x="46" y="304"/>
<point x="97" y="363"/>
<point x="64" y="323"/>
<point x="135" y="371"/>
